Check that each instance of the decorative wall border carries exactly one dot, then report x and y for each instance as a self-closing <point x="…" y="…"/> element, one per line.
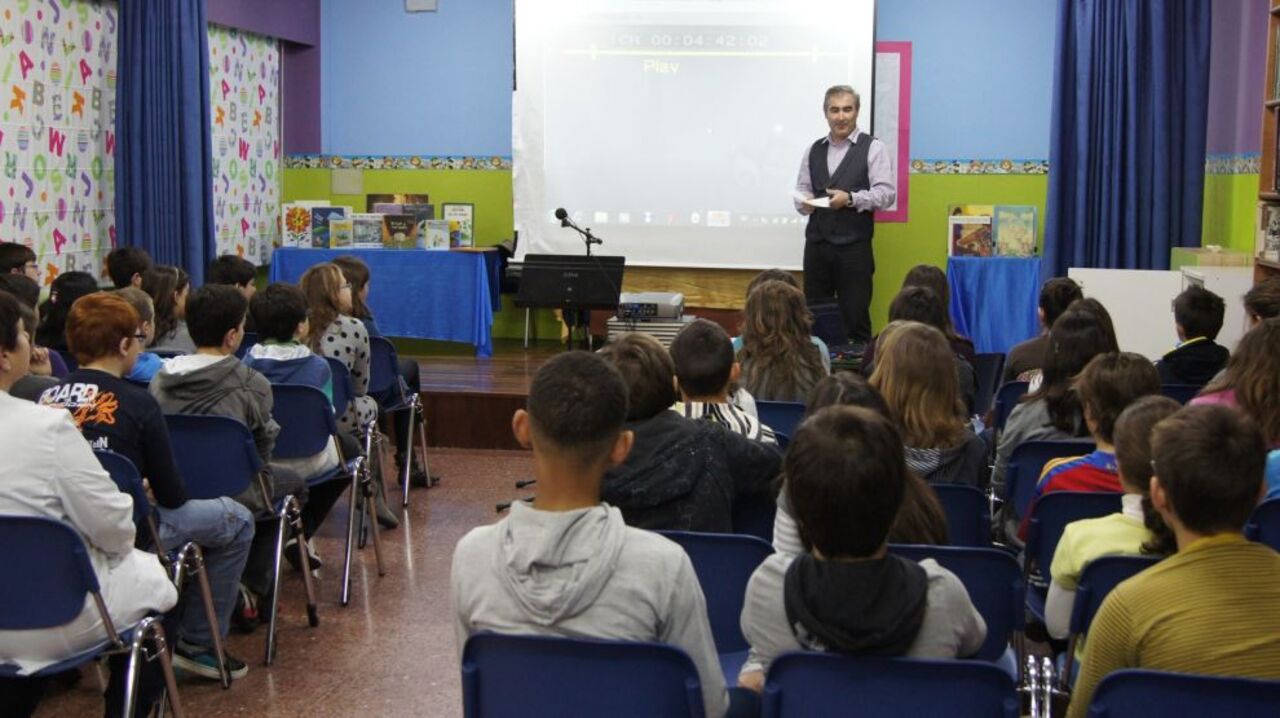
<point x="1234" y="163"/>
<point x="979" y="167"/>
<point x="396" y="162"/>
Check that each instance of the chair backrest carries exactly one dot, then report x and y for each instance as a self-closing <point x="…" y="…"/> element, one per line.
<point x="783" y="439"/>
<point x="1136" y="692"/>
<point x="994" y="582"/>
<point x="988" y="367"/>
<point x="813" y="684"/>
<point x="47" y="573"/>
<point x="1027" y="462"/>
<point x="1007" y="397"/>
<point x="968" y="514"/>
<point x="168" y="353"/>
<point x="342" y="387"/>
<point x="724" y="563"/>
<point x="782" y="416"/>
<point x="1096" y="581"/>
<point x="1264" y="524"/>
<point x="546" y="676"/>
<point x="129" y="481"/>
<point x="305" y="418"/>
<point x="216" y="454"/>
<point x="383" y="368"/>
<point x="1054" y="511"/>
<point x="250" y="338"/>
<point x="1181" y="393"/>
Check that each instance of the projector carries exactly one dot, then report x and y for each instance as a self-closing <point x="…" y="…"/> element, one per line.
<point x="650" y="305"/>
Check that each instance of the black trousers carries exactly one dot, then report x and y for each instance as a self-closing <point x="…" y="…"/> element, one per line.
<point x="843" y="273"/>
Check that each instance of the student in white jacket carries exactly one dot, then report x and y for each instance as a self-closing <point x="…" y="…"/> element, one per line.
<point x="50" y="471"/>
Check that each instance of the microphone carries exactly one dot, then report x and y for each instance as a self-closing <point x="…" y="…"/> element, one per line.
<point x="561" y="214"/>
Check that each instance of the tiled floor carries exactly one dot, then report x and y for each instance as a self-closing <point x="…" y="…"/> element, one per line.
<point x="391" y="651"/>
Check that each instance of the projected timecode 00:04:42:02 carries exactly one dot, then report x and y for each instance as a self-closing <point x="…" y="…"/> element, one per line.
<point x="691" y="40"/>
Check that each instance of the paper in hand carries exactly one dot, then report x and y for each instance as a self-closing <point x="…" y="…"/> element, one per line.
<point x="822" y="202"/>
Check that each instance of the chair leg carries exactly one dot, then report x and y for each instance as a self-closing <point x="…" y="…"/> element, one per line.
<point x="422" y="441"/>
<point x="352" y="520"/>
<point x="191" y="553"/>
<point x="295" y="517"/>
<point x="408" y="461"/>
<point x="371" y="507"/>
<point x="281" y="523"/>
<point x="166" y="668"/>
<point x="150" y="629"/>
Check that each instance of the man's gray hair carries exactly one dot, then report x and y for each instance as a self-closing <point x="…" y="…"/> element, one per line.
<point x="841" y="90"/>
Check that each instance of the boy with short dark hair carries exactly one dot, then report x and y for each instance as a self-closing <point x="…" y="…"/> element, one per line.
<point x="233" y="271"/>
<point x="705" y="367"/>
<point x="126" y="265"/>
<point x="846" y="478"/>
<point x="214" y="381"/>
<point x="1197" y="314"/>
<point x="569" y="565"/>
<point x="681" y="475"/>
<point x="19" y="259"/>
<point x="1209" y="608"/>
<point x="1055" y="296"/>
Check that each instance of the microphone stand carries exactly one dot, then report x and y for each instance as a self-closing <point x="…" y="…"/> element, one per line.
<point x="581" y="316"/>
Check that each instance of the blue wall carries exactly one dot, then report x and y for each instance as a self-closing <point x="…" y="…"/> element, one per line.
<point x="440" y="83"/>
<point x="400" y="83"/>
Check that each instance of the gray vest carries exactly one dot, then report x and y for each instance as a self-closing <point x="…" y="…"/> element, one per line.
<point x="840" y="226"/>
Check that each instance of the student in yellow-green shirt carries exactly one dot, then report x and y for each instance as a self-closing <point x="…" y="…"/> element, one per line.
<point x="1210" y="608"/>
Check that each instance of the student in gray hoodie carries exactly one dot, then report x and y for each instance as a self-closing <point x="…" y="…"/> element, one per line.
<point x="848" y="594"/>
<point x="568" y="565"/>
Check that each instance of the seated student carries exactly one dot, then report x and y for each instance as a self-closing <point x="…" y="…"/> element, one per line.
<point x="46" y="366"/>
<point x="1052" y="411"/>
<point x="280" y="312"/>
<point x="213" y="381"/>
<point x="126" y="265"/>
<point x="915" y="377"/>
<point x="1107" y="386"/>
<point x="702" y="354"/>
<point x="50" y="471"/>
<point x="933" y="278"/>
<point x="1262" y="301"/>
<point x="335" y="334"/>
<point x="1210" y="607"/>
<point x="1135" y="529"/>
<point x="19" y="259"/>
<point x="681" y="475"/>
<point x="779" y="360"/>
<point x="357" y="275"/>
<point x="920" y="519"/>
<point x="1197" y="314"/>
<point x="238" y="272"/>
<point x="1251" y="381"/>
<point x="65" y="290"/>
<point x="568" y="565"/>
<point x="168" y="287"/>
<point x="1023" y="359"/>
<point x="921" y="304"/>
<point x="105" y="336"/>
<point x="788" y="279"/>
<point x="148" y="363"/>
<point x="848" y="594"/>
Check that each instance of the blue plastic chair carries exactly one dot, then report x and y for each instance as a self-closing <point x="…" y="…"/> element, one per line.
<point x="1007" y="397"/>
<point x="181" y="561"/>
<point x="1264" y="524"/>
<point x="1098" y="578"/>
<point x="246" y="343"/>
<point x="217" y="458"/>
<point x="545" y="676"/>
<point x="1181" y="393"/>
<point x="307" y="424"/>
<point x="48" y="580"/>
<point x="342" y="389"/>
<point x="724" y="563"/>
<point x="988" y="367"/>
<point x="995" y="587"/>
<point x="1027" y="462"/>
<point x="783" y="439"/>
<point x="968" y="514"/>
<point x="781" y="416"/>
<point x="384" y="380"/>
<point x="1052" y="513"/>
<point x="824" y="684"/>
<point x="1135" y="692"/>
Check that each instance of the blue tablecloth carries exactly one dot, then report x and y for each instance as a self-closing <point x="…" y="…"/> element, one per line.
<point x="994" y="300"/>
<point x="415" y="293"/>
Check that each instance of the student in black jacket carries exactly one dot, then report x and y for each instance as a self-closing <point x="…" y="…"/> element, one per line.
<point x="1197" y="358"/>
<point x="681" y="474"/>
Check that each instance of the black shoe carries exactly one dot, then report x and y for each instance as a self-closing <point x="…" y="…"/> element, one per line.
<point x="418" y="478"/>
<point x="291" y="555"/>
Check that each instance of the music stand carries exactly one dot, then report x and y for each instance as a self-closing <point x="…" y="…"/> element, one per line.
<point x="571" y="283"/>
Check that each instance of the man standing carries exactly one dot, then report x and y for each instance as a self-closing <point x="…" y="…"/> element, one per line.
<point x="851" y="170"/>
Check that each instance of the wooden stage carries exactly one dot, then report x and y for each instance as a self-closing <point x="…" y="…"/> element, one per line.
<point x="469" y="401"/>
